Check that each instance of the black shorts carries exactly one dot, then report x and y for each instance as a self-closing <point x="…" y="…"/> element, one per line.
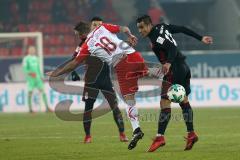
<point x="97" y="78"/>
<point x="179" y="74"/>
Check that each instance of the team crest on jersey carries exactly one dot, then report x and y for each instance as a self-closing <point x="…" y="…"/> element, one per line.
<point x="160" y="40"/>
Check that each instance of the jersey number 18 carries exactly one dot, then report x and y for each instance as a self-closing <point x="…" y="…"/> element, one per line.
<point x="107" y="45"/>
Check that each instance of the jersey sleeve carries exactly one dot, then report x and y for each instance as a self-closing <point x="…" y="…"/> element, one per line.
<point x="83" y="53"/>
<point x="78" y="49"/>
<point x="112" y="28"/>
<point x="181" y="29"/>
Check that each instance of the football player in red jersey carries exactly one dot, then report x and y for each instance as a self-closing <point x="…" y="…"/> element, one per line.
<point x="95" y="82"/>
<point x="129" y="65"/>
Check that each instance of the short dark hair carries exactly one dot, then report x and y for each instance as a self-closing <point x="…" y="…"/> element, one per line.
<point x="96" y="18"/>
<point x="145" y="18"/>
<point x="82" y="27"/>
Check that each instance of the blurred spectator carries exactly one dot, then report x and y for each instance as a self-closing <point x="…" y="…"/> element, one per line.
<point x="4" y="10"/>
<point x="1" y="27"/>
<point x="23" y="10"/>
<point x="142" y="6"/>
<point x="59" y="12"/>
<point x="156" y="12"/>
<point x="83" y="9"/>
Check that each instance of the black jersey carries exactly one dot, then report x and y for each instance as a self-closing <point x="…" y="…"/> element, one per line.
<point x="163" y="44"/>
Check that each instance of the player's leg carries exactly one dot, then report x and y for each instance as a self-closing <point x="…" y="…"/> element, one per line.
<point x="90" y="94"/>
<point x="111" y="97"/>
<point x="30" y="101"/>
<point x="165" y="114"/>
<point x="45" y="101"/>
<point x="30" y="87"/>
<point x="132" y="113"/>
<point x="184" y="80"/>
<point x="129" y="70"/>
<point x="187" y="112"/>
<point x="40" y="87"/>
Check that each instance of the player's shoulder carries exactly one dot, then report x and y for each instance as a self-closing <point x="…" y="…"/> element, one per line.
<point x="160" y="25"/>
<point x="27" y="57"/>
<point x="108" y="24"/>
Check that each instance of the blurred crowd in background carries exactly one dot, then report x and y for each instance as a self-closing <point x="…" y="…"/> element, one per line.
<point x="56" y="18"/>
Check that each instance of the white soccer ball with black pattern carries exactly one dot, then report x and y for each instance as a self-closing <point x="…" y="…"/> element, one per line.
<point x="176" y="93"/>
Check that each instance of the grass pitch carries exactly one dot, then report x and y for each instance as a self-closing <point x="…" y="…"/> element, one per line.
<point x="44" y="136"/>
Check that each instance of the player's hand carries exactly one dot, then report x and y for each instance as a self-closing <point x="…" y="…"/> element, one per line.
<point x="50" y="73"/>
<point x="33" y="75"/>
<point x="75" y="76"/>
<point x="166" y="68"/>
<point x="132" y="40"/>
<point x="207" y="39"/>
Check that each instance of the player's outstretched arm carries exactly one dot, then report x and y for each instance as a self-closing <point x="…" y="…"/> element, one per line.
<point x="182" y="29"/>
<point x="68" y="67"/>
<point x="131" y="38"/>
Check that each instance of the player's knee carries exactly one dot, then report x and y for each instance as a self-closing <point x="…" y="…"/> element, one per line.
<point x="116" y="111"/>
<point x="130" y="102"/>
<point x="113" y="102"/>
<point x="165" y="103"/>
<point x="89" y="104"/>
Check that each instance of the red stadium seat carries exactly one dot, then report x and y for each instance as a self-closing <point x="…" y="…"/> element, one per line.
<point x="33" y="27"/>
<point x="22" y="28"/>
<point x="60" y="51"/>
<point x="46" y="51"/>
<point x="44" y="17"/>
<point x="54" y="40"/>
<point x="63" y="28"/>
<point x="49" y="28"/>
<point x="69" y="40"/>
<point x="4" y="52"/>
<point x="16" y="52"/>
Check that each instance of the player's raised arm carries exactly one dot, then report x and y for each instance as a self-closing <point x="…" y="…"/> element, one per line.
<point x="182" y="29"/>
<point x="131" y="38"/>
<point x="124" y="29"/>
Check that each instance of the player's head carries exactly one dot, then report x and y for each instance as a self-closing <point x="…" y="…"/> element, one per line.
<point x="82" y="29"/>
<point x="31" y="50"/>
<point x="144" y="25"/>
<point x="96" y="21"/>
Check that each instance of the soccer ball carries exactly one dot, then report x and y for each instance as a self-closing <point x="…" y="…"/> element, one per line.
<point x="176" y="93"/>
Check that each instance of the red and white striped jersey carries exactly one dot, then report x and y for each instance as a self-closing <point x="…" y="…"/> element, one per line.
<point x="104" y="43"/>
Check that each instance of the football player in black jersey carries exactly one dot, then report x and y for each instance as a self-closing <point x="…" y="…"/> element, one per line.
<point x="175" y="71"/>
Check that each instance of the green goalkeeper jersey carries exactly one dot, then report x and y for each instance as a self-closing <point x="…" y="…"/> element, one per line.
<point x="31" y="65"/>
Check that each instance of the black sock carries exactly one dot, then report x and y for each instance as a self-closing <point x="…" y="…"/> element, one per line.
<point x="117" y="115"/>
<point x="87" y="116"/>
<point x="187" y="115"/>
<point x="137" y="130"/>
<point x="164" y="118"/>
